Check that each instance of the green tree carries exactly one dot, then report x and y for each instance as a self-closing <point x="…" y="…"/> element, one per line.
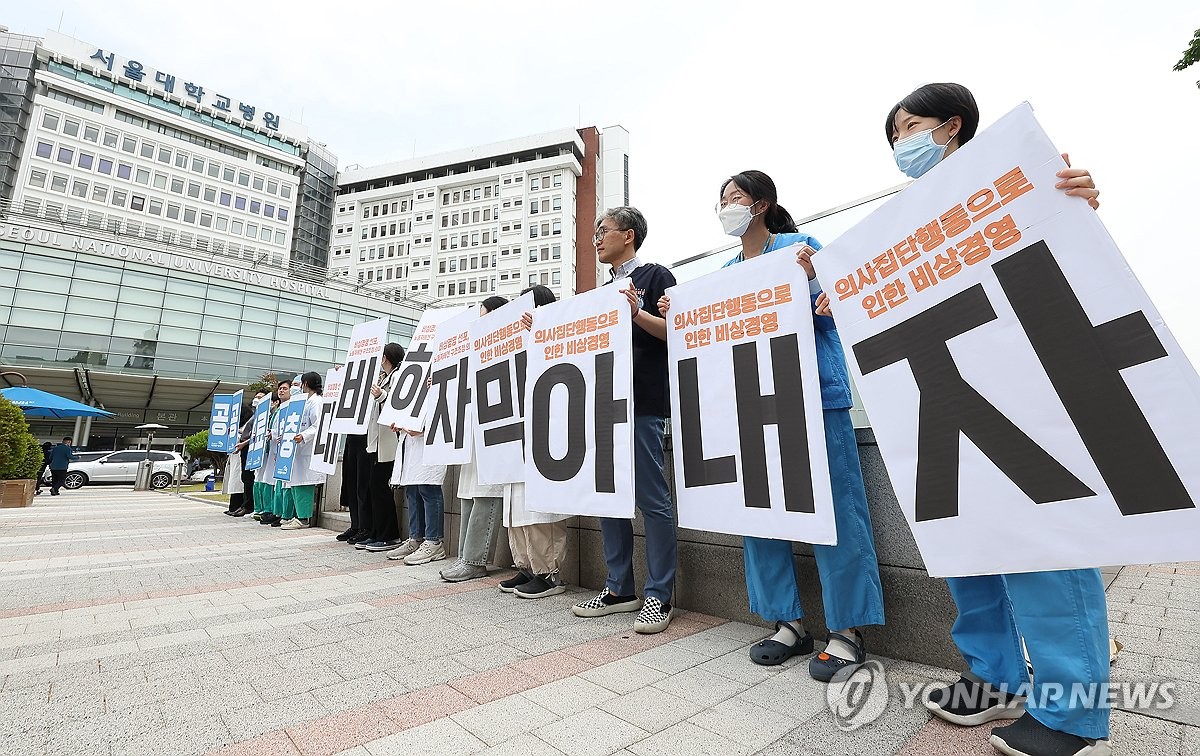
<point x="1190" y="55"/>
<point x="196" y="445"/>
<point x="20" y="454"/>
<point x="266" y="383"/>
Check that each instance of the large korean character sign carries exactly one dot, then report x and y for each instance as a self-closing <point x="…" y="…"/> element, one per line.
<point x="579" y="406"/>
<point x="749" y="439"/>
<point x="499" y="355"/>
<point x="224" y="422"/>
<point x="451" y="413"/>
<point x="1032" y="408"/>
<point x="289" y="425"/>
<point x="405" y="406"/>
<point x="260" y="428"/>
<point x="324" y="457"/>
<point x="363" y="357"/>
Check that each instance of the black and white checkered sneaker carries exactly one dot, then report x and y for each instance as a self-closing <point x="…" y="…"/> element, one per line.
<point x="606" y="603"/>
<point x="654" y="617"/>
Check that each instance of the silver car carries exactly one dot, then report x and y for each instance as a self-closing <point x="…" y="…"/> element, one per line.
<point x="120" y="467"/>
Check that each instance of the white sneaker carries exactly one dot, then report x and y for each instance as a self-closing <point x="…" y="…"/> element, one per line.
<point x="429" y="551"/>
<point x="293" y="524"/>
<point x="406" y="548"/>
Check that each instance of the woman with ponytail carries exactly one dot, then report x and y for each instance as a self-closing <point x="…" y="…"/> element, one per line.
<point x="749" y="209"/>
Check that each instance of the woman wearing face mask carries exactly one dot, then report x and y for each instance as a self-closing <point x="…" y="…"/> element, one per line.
<point x="850" y="588"/>
<point x="1061" y="615"/>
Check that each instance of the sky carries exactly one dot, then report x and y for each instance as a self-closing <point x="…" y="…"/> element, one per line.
<point x="706" y="89"/>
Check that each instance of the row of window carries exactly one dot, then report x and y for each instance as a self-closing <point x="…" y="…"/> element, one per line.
<point x="129" y="143"/>
<point x="119" y="224"/>
<point x="137" y="174"/>
<point x="117" y="197"/>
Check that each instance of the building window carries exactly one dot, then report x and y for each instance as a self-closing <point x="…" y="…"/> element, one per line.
<point x="105" y="166"/>
<point x="142" y="177"/>
<point x="189" y="215"/>
<point x="155" y="207"/>
<point x="100" y="193"/>
<point x="137" y="202"/>
<point x="147" y="150"/>
<point x="85" y="161"/>
<point x="160" y="181"/>
<point x="172" y="211"/>
<point x="226" y="199"/>
<point x="65" y="155"/>
<point x="37" y="178"/>
<point x="110" y="139"/>
<point x="79" y="189"/>
<point x="70" y="127"/>
<point x="177" y="185"/>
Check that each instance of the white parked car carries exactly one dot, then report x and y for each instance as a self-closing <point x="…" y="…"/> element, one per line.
<point x="120" y="467"/>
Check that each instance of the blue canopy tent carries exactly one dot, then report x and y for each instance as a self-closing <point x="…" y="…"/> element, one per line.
<point x="37" y="403"/>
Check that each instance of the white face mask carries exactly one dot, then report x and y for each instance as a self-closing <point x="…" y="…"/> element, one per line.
<point x="735" y="218"/>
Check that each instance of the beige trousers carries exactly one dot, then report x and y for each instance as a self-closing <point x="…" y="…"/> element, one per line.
<point x="540" y="549"/>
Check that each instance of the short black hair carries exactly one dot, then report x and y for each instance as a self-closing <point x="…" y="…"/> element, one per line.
<point x="66" y="439"/>
<point x="940" y="101"/>
<point x="491" y="304"/>
<point x="628" y="219"/>
<point x="542" y="295"/>
<point x="287" y="382"/>
<point x="393" y="353"/>
<point x="313" y="380"/>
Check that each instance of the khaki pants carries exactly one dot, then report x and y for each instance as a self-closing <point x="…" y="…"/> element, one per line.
<point x="539" y="548"/>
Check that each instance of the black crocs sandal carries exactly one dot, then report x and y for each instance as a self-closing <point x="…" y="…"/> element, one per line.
<point x="823" y="666"/>
<point x="771" y="652"/>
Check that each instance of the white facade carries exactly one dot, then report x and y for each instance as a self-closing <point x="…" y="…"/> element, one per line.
<point x="465" y="225"/>
<point x="111" y="147"/>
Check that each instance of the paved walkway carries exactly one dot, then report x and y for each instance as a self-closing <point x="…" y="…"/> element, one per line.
<point x="145" y="624"/>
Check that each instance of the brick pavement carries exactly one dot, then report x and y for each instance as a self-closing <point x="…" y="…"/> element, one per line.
<point x="138" y="623"/>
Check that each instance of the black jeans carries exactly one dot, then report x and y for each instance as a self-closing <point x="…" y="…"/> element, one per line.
<point x="386" y="527"/>
<point x="57" y="478"/>
<point x="356" y="482"/>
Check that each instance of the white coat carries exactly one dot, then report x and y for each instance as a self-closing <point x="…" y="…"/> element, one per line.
<point x="409" y="471"/>
<point x="266" y="473"/>
<point x="233" y="475"/>
<point x="469" y="486"/>
<point x="302" y="472"/>
<point x="380" y="438"/>
<point x="515" y="513"/>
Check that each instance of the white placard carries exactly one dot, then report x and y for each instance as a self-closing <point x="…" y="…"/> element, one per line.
<point x="324" y="458"/>
<point x="363" y="362"/>
<point x="450" y="411"/>
<point x="499" y="355"/>
<point x="406" y="404"/>
<point x="1033" y="410"/>
<point x="749" y="436"/>
<point x="579" y="406"/>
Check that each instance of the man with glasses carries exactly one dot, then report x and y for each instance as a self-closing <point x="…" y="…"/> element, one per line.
<point x="619" y="235"/>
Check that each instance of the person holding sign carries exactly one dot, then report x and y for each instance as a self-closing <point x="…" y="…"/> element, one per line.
<point x="304" y="480"/>
<point x="619" y="235"/>
<point x="538" y="541"/>
<point x="276" y="505"/>
<point x="245" y="502"/>
<point x="382" y="443"/>
<point x="262" y="474"/>
<point x="1061" y="615"/>
<point x="480" y="507"/>
<point x="748" y="208"/>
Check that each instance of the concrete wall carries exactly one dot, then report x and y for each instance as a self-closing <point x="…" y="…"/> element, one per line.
<point x="711" y="574"/>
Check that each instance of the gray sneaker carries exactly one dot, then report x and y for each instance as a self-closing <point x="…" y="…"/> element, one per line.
<point x="405" y="549"/>
<point x="460" y="571"/>
<point x="428" y="551"/>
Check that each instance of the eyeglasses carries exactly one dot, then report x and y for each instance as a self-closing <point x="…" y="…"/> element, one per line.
<point x="734" y="199"/>
<point x="601" y="231"/>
